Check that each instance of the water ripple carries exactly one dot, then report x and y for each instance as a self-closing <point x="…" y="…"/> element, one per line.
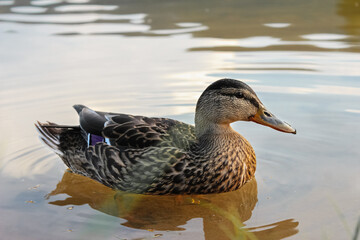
<point x="45" y="2"/>
<point x="6" y="3"/>
<point x="28" y="9"/>
<point x="324" y="36"/>
<point x="277" y="25"/>
<point x="272" y="43"/>
<point x="178" y="31"/>
<point x="316" y="89"/>
<point x="353" y="111"/>
<point x="85" y="8"/>
<point x="68" y="18"/>
<point x="28" y="161"/>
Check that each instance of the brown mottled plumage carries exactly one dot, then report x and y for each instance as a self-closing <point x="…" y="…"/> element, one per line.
<point x="164" y="156"/>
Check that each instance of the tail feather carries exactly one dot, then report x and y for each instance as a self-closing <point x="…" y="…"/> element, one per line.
<point x="49" y="134"/>
<point x="70" y="144"/>
<point x="79" y="107"/>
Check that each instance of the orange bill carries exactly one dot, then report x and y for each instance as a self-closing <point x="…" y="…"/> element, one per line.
<point x="266" y="118"/>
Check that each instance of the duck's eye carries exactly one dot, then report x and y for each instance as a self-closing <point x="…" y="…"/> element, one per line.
<point x="267" y="114"/>
<point x="239" y="95"/>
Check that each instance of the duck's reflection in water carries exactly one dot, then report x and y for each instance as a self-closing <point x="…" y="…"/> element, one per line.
<point x="223" y="214"/>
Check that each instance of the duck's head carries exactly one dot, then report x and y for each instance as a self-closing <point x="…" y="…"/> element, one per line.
<point x="228" y="100"/>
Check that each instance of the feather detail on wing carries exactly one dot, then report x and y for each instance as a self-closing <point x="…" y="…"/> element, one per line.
<point x="140" y="132"/>
<point x="128" y="131"/>
<point x="134" y="170"/>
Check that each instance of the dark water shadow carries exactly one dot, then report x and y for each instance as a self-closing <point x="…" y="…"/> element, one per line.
<point x="223" y="214"/>
<point x="350" y="10"/>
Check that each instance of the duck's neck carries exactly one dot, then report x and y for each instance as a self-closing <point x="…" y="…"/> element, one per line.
<point x="223" y="147"/>
<point x="215" y="138"/>
<point x="205" y="127"/>
<point x="212" y="135"/>
<point x="212" y="129"/>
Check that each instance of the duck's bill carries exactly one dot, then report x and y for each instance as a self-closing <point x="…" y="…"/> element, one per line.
<point x="266" y="118"/>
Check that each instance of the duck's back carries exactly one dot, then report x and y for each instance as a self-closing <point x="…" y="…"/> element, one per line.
<point x="126" y="152"/>
<point x="129" y="131"/>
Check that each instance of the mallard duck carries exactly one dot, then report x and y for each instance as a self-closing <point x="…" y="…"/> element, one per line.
<point x="164" y="156"/>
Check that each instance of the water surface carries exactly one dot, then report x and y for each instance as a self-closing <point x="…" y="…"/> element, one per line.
<point x="155" y="58"/>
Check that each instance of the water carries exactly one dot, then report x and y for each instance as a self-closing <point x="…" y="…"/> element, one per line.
<point x="155" y="58"/>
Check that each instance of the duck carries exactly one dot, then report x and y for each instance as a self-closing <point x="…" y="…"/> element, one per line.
<point x="162" y="156"/>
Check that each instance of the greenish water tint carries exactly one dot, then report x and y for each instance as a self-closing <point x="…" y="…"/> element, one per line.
<point x="154" y="58"/>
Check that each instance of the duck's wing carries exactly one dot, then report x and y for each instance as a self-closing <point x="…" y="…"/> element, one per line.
<point x="139" y="131"/>
<point x="123" y="130"/>
<point x="151" y="170"/>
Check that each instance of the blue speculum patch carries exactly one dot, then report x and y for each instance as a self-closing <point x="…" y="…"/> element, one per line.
<point x="94" y="139"/>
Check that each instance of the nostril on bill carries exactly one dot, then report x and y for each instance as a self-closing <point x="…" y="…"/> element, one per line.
<point x="267" y="114"/>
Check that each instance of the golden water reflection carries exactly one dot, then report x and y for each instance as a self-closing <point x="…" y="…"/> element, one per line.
<point x="350" y="10"/>
<point x="278" y="26"/>
<point x="223" y="214"/>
